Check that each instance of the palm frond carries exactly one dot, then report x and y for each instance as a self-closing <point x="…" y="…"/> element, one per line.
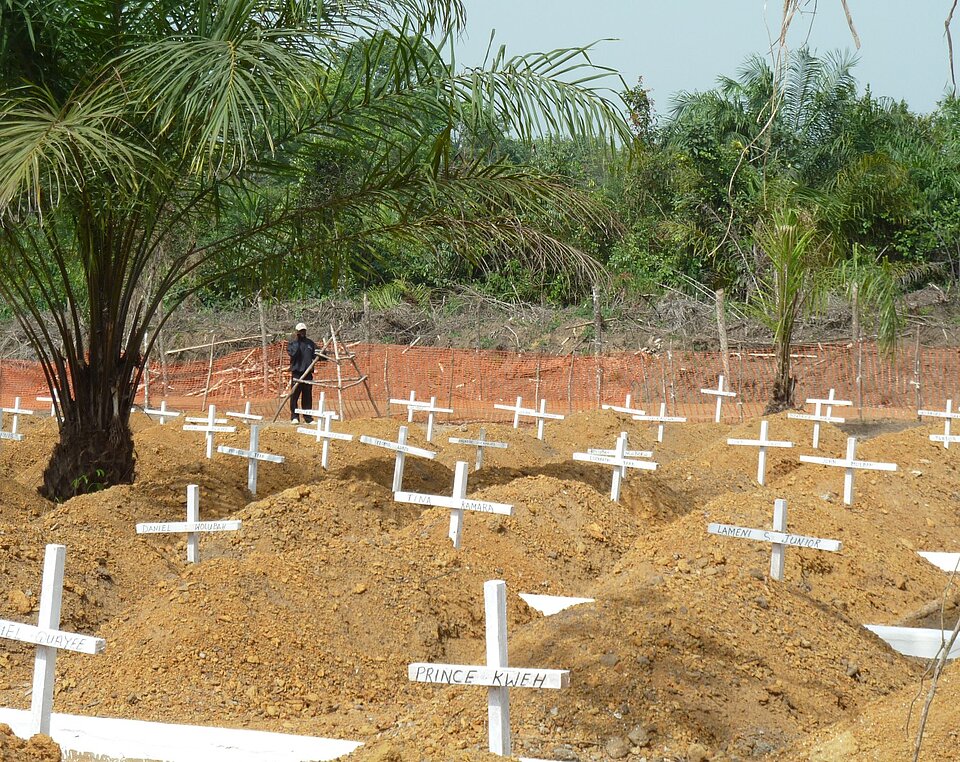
<point x="48" y="149"/>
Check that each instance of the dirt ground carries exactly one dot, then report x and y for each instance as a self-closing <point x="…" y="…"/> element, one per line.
<point x="304" y="620"/>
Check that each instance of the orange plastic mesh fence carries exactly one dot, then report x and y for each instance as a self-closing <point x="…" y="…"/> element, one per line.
<point x="472" y="381"/>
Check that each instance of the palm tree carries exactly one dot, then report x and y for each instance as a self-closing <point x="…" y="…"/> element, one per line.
<point x="148" y="149"/>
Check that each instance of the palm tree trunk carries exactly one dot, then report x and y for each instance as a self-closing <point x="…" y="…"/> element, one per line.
<point x="96" y="444"/>
<point x="784" y="385"/>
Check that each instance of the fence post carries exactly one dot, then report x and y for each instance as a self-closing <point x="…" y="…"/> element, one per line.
<point x="916" y="372"/>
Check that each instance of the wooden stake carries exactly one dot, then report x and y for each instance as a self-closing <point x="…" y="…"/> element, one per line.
<point x="598" y="343"/>
<point x="206" y="387"/>
<point x="336" y="359"/>
<point x="916" y="371"/>
<point x="263" y="343"/>
<point x="858" y="346"/>
<point x="722" y="330"/>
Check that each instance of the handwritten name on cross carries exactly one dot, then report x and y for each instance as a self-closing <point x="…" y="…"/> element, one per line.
<point x="210" y="426"/>
<point x="779" y="537"/>
<point x="324" y="433"/>
<point x="621" y="459"/>
<point x="948" y="415"/>
<point x="10" y="435"/>
<point x="625" y="408"/>
<point x="817" y="417"/>
<point x="48" y="638"/>
<point x="661" y="419"/>
<point x="719" y="393"/>
<point x="851" y="465"/>
<point x="253" y="456"/>
<point x="763" y="443"/>
<point x="162" y="413"/>
<point x="457" y="502"/>
<point x="480" y="443"/>
<point x="414" y="405"/>
<point x="495" y="674"/>
<point x="402" y="449"/>
<point x="16" y="411"/>
<point x="246" y="415"/>
<point x="192" y="526"/>
<point x="542" y="415"/>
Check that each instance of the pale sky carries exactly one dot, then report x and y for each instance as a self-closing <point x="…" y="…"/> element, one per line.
<point x="685" y="44"/>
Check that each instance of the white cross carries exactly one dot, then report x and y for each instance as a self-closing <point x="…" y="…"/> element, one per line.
<point x="495" y="674"/>
<point x="414" y="405"/>
<point x="210" y="425"/>
<point x="850" y="465"/>
<point x="162" y="412"/>
<point x="818" y="417"/>
<point x="625" y="408"/>
<point x="779" y="537"/>
<point x="16" y="411"/>
<point x="12" y="435"/>
<point x="541" y="416"/>
<point x="192" y="526"/>
<point x="53" y="400"/>
<point x="402" y="449"/>
<point x="253" y="456"/>
<point x="948" y="415"/>
<point x="479" y="443"/>
<point x="457" y="503"/>
<point x="831" y="401"/>
<point x="660" y="419"/>
<point x="324" y="433"/>
<point x="620" y="459"/>
<point x="48" y="638"/>
<point x="719" y="393"/>
<point x="763" y="443"/>
<point x="246" y="415"/>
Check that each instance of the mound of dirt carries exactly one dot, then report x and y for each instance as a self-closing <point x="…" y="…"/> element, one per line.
<point x="39" y="748"/>
<point x="881" y="733"/>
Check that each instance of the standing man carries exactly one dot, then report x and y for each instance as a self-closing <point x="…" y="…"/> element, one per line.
<point x="302" y="352"/>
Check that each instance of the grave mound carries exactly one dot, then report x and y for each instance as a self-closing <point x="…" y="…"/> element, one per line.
<point x="878" y="732"/>
<point x="39" y="748"/>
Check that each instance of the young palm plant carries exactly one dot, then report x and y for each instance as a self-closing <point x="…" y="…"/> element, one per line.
<point x="790" y="283"/>
<point x="149" y="149"/>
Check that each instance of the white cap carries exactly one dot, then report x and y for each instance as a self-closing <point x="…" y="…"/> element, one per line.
<point x="301" y="326"/>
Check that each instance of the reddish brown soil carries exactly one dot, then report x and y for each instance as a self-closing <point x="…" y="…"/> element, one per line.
<point x="305" y="619"/>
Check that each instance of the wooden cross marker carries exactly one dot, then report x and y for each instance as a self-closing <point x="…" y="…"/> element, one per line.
<point x="324" y="433"/>
<point x="621" y="459"/>
<point x="719" y="393"/>
<point x="11" y="435"/>
<point x="414" y="405"/>
<point x="495" y="674"/>
<point x="457" y="503"/>
<point x="246" y="415"/>
<point x="542" y="415"/>
<point x="16" y="411"/>
<point x="479" y="443"/>
<point x="948" y="415"/>
<point x="661" y="419"/>
<point x="850" y="465"/>
<point x="818" y="417"/>
<point x="779" y="537"/>
<point x="53" y="400"/>
<point x="402" y="449"/>
<point x="192" y="526"/>
<point x="162" y="412"/>
<point x="48" y="638"/>
<point x="831" y="401"/>
<point x="625" y="408"/>
<point x="763" y="443"/>
<point x="210" y="426"/>
<point x="253" y="456"/>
